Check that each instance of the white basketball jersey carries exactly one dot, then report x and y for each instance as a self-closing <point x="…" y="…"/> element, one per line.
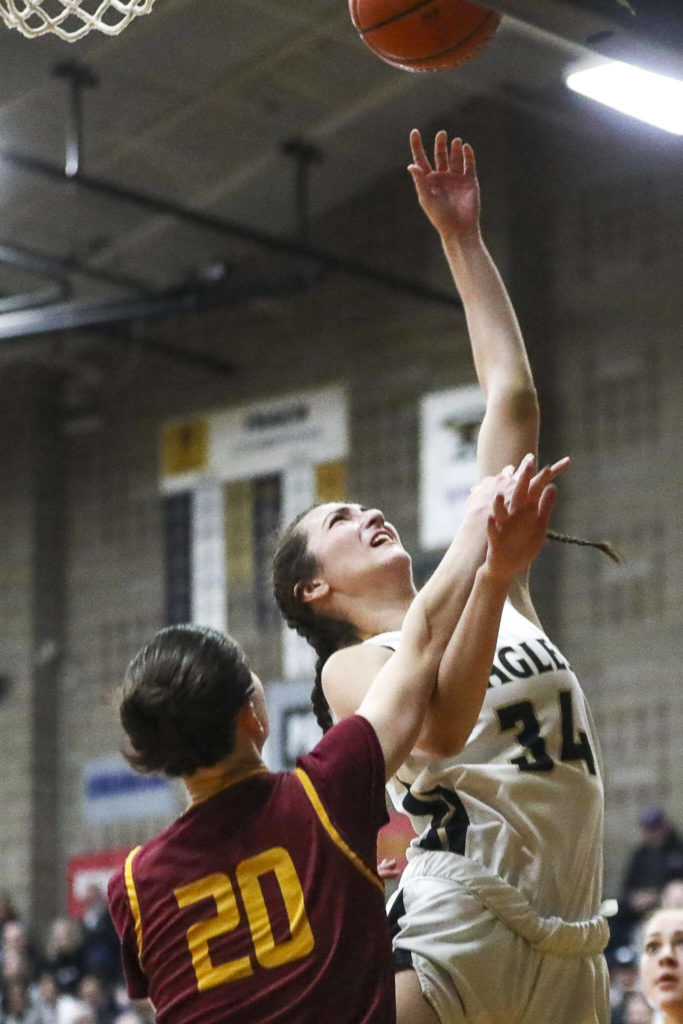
<point x="525" y="795"/>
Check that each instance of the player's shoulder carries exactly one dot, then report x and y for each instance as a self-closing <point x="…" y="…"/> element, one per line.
<point x="356" y="657"/>
<point x="348" y="673"/>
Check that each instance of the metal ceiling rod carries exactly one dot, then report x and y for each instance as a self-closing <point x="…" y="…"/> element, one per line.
<point x="58" y="288"/>
<point x="59" y="269"/>
<point x="71" y="315"/>
<point x="274" y="243"/>
<point x="304" y="156"/>
<point x="79" y="77"/>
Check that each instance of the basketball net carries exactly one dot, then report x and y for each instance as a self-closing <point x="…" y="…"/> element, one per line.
<point x="71" y="19"/>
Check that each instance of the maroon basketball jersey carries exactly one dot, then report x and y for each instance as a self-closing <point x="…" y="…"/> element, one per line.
<point x="262" y="904"/>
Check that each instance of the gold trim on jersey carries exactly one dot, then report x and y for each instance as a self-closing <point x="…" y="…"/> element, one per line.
<point x="133" y="899"/>
<point x="312" y="795"/>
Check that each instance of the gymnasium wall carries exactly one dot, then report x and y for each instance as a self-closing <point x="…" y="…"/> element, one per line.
<point x="586" y="228"/>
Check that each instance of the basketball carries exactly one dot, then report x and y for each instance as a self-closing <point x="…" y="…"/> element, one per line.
<point x="423" y="35"/>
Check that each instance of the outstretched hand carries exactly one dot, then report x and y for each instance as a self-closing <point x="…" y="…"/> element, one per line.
<point x="448" y="192"/>
<point x="388" y="867"/>
<point x="521" y="513"/>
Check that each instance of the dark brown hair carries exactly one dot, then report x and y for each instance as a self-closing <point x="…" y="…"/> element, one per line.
<point x="180" y="699"/>
<point x="293" y="565"/>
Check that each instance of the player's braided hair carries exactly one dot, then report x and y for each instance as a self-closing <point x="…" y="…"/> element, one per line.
<point x="293" y="565"/>
<point x="601" y="545"/>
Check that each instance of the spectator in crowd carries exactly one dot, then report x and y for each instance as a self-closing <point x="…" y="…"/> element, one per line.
<point x="7" y="910"/>
<point x="624" y="981"/>
<point x="95" y="993"/>
<point x="18" y="960"/>
<point x="64" y="954"/>
<point x="30" y="992"/>
<point x="661" y="964"/>
<point x="101" y="953"/>
<point x="16" y="1002"/>
<point x="672" y="895"/>
<point x="46" y="999"/>
<point x="654" y="862"/>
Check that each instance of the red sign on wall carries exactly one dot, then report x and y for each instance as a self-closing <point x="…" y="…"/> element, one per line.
<point x="87" y="870"/>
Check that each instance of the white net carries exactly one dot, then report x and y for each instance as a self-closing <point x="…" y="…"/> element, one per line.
<point x="71" y="19"/>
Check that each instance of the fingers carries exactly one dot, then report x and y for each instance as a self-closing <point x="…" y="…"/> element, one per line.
<point x="544" y="477"/>
<point x="441" y="151"/>
<point x="457" y="158"/>
<point x="469" y="164"/>
<point x="546" y="506"/>
<point x="500" y="513"/>
<point x="523" y="477"/>
<point x="417" y="149"/>
<point x="388" y="868"/>
<point x="526" y="485"/>
<point x="456" y="162"/>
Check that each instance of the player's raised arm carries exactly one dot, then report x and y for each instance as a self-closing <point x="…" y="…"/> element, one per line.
<point x="448" y="192"/>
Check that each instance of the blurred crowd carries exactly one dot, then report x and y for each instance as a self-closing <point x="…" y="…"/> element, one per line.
<point x="75" y="976"/>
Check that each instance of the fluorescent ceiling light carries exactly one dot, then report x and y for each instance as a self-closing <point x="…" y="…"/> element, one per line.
<point x="643" y="94"/>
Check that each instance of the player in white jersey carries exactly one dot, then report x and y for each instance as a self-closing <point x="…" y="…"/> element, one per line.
<point x="497" y="910"/>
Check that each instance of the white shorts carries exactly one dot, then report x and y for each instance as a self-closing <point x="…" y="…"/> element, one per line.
<point x="476" y="969"/>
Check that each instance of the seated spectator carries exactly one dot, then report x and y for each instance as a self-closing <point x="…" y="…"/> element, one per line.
<point x="101" y="949"/>
<point x="64" y="954"/>
<point x="46" y="999"/>
<point x="656" y="860"/>
<point x="97" y="996"/>
<point x="16" y="1003"/>
<point x="624" y="981"/>
<point x="661" y="964"/>
<point x="74" y="1011"/>
<point x="7" y="910"/>
<point x="672" y="895"/>
<point x="18" y="961"/>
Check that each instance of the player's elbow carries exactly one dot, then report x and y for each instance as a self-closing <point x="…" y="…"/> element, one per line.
<point x="517" y="401"/>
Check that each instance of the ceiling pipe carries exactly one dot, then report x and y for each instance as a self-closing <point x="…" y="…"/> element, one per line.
<point x="72" y="315"/>
<point x="274" y="243"/>
<point x="58" y="289"/>
<point x="79" y="77"/>
<point x="51" y="266"/>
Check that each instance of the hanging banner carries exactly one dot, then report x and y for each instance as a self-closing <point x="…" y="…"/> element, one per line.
<point x="88" y="871"/>
<point x="256" y="439"/>
<point x="293" y="726"/>
<point x="449" y="428"/>
<point x="114" y="792"/>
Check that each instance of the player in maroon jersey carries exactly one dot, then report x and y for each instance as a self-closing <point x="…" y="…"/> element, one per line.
<point x="261" y="903"/>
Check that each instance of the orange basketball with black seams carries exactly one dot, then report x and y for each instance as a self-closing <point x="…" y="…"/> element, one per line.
<point x="423" y="35"/>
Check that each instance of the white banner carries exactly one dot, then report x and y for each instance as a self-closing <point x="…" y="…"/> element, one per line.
<point x="114" y="792"/>
<point x="449" y="428"/>
<point x="268" y="436"/>
<point x="293" y="726"/>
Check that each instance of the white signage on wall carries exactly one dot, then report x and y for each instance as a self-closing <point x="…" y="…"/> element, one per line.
<point x="114" y="792"/>
<point x="268" y="436"/>
<point x="293" y="726"/>
<point x="449" y="428"/>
